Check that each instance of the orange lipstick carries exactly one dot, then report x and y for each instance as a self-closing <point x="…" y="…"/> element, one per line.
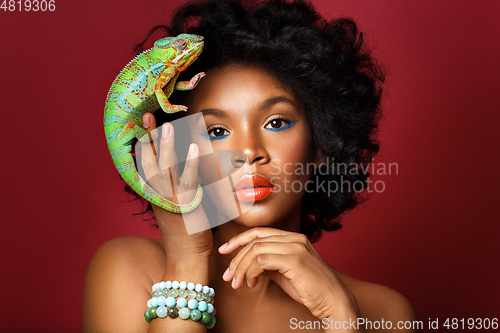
<point x="253" y="188"/>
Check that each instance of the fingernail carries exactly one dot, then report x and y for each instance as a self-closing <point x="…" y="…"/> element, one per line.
<point x="226" y="273"/>
<point x="165" y="130"/>
<point x="146" y="122"/>
<point x="192" y="149"/>
<point x="222" y="247"/>
<point x="233" y="282"/>
<point x="248" y="284"/>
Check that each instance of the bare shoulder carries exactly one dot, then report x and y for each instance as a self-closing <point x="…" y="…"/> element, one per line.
<point x="377" y="302"/>
<point x="118" y="280"/>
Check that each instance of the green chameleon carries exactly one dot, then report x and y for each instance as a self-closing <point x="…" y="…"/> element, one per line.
<point x="142" y="86"/>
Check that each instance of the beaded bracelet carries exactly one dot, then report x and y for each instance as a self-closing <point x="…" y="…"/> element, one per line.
<point x="163" y="302"/>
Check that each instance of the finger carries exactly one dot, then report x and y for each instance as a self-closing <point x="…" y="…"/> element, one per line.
<point x="274" y="263"/>
<point x="240" y="271"/>
<point x="254" y="245"/>
<point x="249" y="235"/>
<point x="187" y="186"/>
<point x="167" y="161"/>
<point x="148" y="153"/>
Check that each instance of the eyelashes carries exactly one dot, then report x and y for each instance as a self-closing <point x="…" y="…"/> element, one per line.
<point x="280" y="120"/>
<point x="211" y="130"/>
<point x="218" y="132"/>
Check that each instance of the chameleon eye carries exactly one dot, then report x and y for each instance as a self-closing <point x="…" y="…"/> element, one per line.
<point x="180" y="44"/>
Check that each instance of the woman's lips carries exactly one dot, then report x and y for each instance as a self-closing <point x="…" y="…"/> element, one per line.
<point x="253" y="188"/>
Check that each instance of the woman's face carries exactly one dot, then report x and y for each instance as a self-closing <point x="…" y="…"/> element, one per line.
<point x="247" y="110"/>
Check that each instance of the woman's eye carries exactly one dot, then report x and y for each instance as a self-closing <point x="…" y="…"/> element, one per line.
<point x="217" y="133"/>
<point x="276" y="123"/>
<point x="279" y="124"/>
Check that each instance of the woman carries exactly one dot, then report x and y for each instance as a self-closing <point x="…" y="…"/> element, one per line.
<point x="286" y="88"/>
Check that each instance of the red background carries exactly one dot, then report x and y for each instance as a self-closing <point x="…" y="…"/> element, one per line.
<point x="431" y="235"/>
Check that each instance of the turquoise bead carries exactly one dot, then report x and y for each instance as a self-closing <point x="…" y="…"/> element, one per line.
<point x="191" y="286"/>
<point x="210" y="308"/>
<point x="161" y="311"/>
<point x="172" y="312"/>
<point x="195" y="315"/>
<point x="170" y="301"/>
<point x="168" y="284"/>
<point x="206" y="289"/>
<point x="202" y="306"/>
<point x="184" y="313"/>
<point x="154" y="301"/>
<point x="175" y="285"/>
<point x="193" y="304"/>
<point x="152" y="312"/>
<point x="192" y="294"/>
<point x="205" y="317"/>
<point x="182" y="302"/>
<point x="162" y="300"/>
<point x="147" y="316"/>
<point x="162" y="285"/>
<point x="198" y="287"/>
<point x="211" y="323"/>
<point x="183" y="285"/>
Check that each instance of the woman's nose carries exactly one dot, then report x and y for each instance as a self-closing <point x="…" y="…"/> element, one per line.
<point x="249" y="149"/>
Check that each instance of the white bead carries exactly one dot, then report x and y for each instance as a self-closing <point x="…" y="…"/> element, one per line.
<point x="206" y="289"/>
<point x="162" y="285"/>
<point x="154" y="301"/>
<point x="190" y="286"/>
<point x="149" y="303"/>
<point x="211" y="292"/>
<point x="156" y="286"/>
<point x="198" y="287"/>
<point x="175" y="284"/>
<point x="183" y="285"/>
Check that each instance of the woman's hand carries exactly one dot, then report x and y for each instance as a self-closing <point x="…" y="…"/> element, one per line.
<point x="161" y="173"/>
<point x="291" y="261"/>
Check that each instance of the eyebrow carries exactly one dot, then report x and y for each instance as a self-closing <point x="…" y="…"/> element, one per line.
<point x="264" y="105"/>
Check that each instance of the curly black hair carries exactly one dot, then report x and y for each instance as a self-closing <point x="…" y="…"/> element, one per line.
<point x="326" y="63"/>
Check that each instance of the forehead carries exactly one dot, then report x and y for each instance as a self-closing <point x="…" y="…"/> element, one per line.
<point x="238" y="87"/>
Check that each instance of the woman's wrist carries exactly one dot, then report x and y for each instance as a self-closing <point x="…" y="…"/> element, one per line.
<point x="195" y="269"/>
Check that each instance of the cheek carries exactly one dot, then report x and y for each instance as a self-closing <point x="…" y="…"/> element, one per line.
<point x="296" y="148"/>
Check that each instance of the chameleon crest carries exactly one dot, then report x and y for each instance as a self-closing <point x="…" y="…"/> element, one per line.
<point x="144" y="85"/>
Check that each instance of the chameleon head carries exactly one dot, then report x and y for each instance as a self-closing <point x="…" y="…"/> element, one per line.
<point x="180" y="51"/>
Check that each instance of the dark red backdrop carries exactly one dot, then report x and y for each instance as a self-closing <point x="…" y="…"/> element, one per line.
<point x="432" y="234"/>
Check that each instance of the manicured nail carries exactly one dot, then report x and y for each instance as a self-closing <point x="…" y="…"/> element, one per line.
<point x="248" y="284"/>
<point x="146" y="122"/>
<point x="193" y="149"/>
<point x="233" y="282"/>
<point x="222" y="247"/>
<point x="165" y="130"/>
<point x="226" y="273"/>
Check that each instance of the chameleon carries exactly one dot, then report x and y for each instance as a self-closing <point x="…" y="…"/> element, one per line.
<point x="144" y="85"/>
